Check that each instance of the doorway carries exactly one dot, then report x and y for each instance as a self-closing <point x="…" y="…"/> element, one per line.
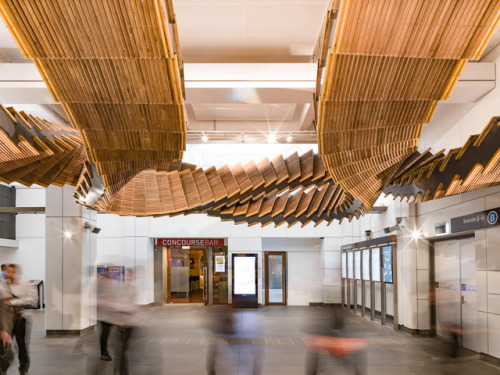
<point x="456" y="296"/>
<point x="275" y="278"/>
<point x="191" y="274"/>
<point x="187" y="273"/>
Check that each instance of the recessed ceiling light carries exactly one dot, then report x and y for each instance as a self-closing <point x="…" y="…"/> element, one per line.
<point x="271" y="138"/>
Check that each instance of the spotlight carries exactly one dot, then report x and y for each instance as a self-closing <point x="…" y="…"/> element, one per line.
<point x="289" y="139"/>
<point x="416" y="234"/>
<point x="271" y="138"/>
<point x="68" y="234"/>
<point x="204" y="138"/>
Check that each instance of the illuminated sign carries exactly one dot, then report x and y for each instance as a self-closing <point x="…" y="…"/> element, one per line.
<point x="245" y="282"/>
<point x="344" y="265"/>
<point x="178" y="242"/>
<point x="387" y="263"/>
<point x="366" y="264"/>
<point x="376" y="264"/>
<point x="357" y="265"/>
<point x="349" y="265"/>
<point x="220" y="263"/>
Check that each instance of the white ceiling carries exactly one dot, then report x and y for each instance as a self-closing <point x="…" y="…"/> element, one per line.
<point x="249" y="30"/>
<point x="249" y="68"/>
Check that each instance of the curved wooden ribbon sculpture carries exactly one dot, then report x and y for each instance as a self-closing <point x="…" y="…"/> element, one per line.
<point x="116" y="68"/>
<point x="382" y="73"/>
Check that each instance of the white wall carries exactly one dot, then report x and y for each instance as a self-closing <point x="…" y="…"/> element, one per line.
<point x="30" y="232"/>
<point x="487" y="244"/>
<point x="129" y="241"/>
<point x="305" y="275"/>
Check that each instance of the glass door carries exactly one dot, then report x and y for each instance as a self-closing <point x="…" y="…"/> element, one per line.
<point x="219" y="271"/>
<point x="275" y="278"/>
<point x="178" y="269"/>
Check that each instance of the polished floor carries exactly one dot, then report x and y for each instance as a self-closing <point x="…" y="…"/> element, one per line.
<point x="270" y="340"/>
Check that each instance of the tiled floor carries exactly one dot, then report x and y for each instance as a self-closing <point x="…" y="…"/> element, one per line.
<point x="177" y="339"/>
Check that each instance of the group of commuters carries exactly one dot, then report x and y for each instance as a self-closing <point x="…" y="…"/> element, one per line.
<point x="14" y="325"/>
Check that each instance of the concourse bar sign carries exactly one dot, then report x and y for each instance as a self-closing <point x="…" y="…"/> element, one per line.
<point x="478" y="220"/>
<point x="178" y="242"/>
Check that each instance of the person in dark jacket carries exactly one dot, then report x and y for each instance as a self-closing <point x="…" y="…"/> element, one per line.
<point x="6" y="326"/>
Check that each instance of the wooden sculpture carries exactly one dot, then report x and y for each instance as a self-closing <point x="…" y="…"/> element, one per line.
<point x="116" y="68"/>
<point x="385" y="67"/>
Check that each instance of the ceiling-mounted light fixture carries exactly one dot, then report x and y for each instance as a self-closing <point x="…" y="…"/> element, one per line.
<point x="242" y="138"/>
<point x="289" y="139"/>
<point x="271" y="138"/>
<point x="204" y="138"/>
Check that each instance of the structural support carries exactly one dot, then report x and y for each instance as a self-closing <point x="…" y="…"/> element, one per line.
<point x="70" y="261"/>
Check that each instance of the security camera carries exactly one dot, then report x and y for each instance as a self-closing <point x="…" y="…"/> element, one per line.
<point x="368" y="234"/>
<point x="91" y="228"/>
<point x="391" y="229"/>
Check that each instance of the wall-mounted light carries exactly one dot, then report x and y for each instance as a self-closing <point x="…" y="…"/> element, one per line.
<point x="271" y="138"/>
<point x="416" y="234"/>
<point x="68" y="234"/>
<point x="289" y="139"/>
<point x="204" y="138"/>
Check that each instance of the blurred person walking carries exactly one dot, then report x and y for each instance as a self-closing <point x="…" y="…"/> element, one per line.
<point x="6" y="325"/>
<point x="117" y="307"/>
<point x="15" y="296"/>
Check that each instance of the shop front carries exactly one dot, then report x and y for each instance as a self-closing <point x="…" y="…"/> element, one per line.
<point x="191" y="270"/>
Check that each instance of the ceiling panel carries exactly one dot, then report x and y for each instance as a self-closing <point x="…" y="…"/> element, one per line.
<point x="251" y="30"/>
<point x="284" y="19"/>
<point x="244" y="112"/>
<point x="209" y="19"/>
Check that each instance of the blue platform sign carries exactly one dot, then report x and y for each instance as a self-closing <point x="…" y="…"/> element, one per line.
<point x="387" y="264"/>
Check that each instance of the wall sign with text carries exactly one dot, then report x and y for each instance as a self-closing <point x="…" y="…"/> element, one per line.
<point x="477" y="220"/>
<point x="177" y="242"/>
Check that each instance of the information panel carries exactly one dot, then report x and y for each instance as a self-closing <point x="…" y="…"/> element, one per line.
<point x="387" y="263"/>
<point x="244" y="280"/>
<point x="366" y="264"/>
<point x="357" y="265"/>
<point x="376" y="264"/>
<point x="344" y="265"/>
<point x="349" y="265"/>
<point x="244" y="276"/>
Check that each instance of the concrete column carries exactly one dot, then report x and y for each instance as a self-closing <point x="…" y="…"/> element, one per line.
<point x="332" y="273"/>
<point x="407" y="271"/>
<point x="70" y="264"/>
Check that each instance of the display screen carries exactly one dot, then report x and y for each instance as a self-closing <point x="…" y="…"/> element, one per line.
<point x="387" y="263"/>
<point x="344" y="265"/>
<point x="220" y="263"/>
<point x="366" y="264"/>
<point x="244" y="275"/>
<point x="357" y="265"/>
<point x="376" y="264"/>
<point x="349" y="265"/>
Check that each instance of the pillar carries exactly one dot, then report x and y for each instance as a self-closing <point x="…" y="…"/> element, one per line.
<point x="70" y="264"/>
